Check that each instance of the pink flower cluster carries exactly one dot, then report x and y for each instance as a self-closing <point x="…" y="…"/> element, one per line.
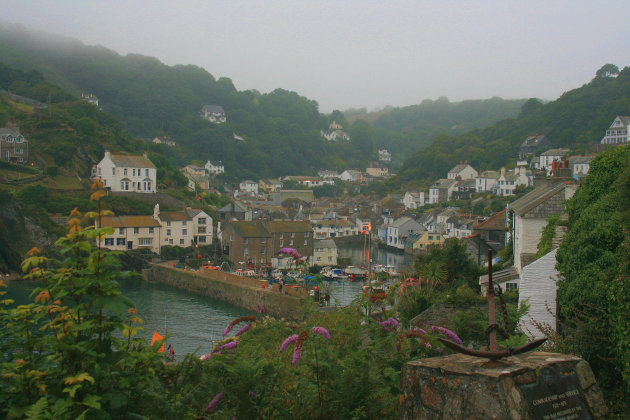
<point x="299" y="342"/>
<point x="448" y="333"/>
<point x="389" y="324"/>
<point x="321" y="331"/>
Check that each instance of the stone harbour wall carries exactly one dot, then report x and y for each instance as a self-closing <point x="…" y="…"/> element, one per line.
<point x="532" y="386"/>
<point x="244" y="292"/>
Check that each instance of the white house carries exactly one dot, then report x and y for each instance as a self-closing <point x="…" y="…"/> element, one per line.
<point x="164" y="140"/>
<point x="400" y="229"/>
<point x="580" y="165"/>
<point x="351" y="175"/>
<point x="384" y="156"/>
<point x="131" y="232"/>
<point x="214" y="168"/>
<point x="462" y="171"/>
<point x="324" y="252"/>
<point x="213" y="113"/>
<point x="128" y="173"/>
<point x="413" y="200"/>
<point x="89" y="98"/>
<point x="324" y="229"/>
<point x="249" y="186"/>
<point x="442" y="190"/>
<point x="328" y="175"/>
<point x="509" y="180"/>
<point x="546" y="159"/>
<point x="530" y="214"/>
<point x="184" y="228"/>
<point x="487" y="181"/>
<point x="537" y="288"/>
<point x="618" y="132"/>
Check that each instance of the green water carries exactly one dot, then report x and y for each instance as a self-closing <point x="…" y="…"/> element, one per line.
<point x="193" y="322"/>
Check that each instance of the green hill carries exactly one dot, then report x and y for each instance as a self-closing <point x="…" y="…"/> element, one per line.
<point x="577" y="120"/>
<point x="281" y="129"/>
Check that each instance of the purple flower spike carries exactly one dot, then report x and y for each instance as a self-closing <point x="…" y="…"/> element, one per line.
<point x="227" y="330"/>
<point x="389" y="324"/>
<point x="321" y="331"/>
<point x="419" y="330"/>
<point x="448" y="333"/>
<point x="227" y="346"/>
<point x="214" y="402"/>
<point x="243" y="330"/>
<point x="297" y="353"/>
<point x="289" y="340"/>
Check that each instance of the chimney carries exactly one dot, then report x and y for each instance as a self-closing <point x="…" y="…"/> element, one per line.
<point x="107" y="154"/>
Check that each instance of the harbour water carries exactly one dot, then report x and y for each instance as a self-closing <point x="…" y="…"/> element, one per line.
<point x="195" y="323"/>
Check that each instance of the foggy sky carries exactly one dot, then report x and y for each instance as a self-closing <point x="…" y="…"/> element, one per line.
<point x="358" y="53"/>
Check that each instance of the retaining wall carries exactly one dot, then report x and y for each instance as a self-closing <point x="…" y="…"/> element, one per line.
<point x="244" y="292"/>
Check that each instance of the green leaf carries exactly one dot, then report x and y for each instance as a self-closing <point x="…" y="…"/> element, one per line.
<point x="92" y="401"/>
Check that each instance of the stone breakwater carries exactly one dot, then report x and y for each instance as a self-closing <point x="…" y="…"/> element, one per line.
<point x="244" y="292"/>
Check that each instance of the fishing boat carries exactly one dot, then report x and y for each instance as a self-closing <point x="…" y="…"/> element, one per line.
<point x="390" y="270"/>
<point x="334" y="274"/>
<point x="356" y="273"/>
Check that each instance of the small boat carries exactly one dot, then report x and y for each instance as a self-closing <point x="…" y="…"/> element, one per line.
<point x="356" y="273"/>
<point x="390" y="270"/>
<point x="333" y="274"/>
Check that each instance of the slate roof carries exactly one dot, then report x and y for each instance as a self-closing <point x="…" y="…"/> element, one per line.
<point x="232" y="208"/>
<point x="555" y="152"/>
<point x="288" y="226"/>
<point x="458" y="168"/>
<point x="533" y="140"/>
<point x="536" y="197"/>
<point x="444" y="183"/>
<point x="174" y="216"/>
<point x="494" y="222"/>
<point x="131" y="161"/>
<point x="490" y="174"/>
<point x="214" y="109"/>
<point x="246" y="229"/>
<point x="324" y="243"/>
<point x="128" y="221"/>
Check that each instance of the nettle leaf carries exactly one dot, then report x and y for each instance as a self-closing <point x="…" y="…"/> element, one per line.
<point x="92" y="401"/>
<point x="72" y="390"/>
<point x="83" y="376"/>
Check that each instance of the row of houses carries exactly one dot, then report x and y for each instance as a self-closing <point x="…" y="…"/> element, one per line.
<point x="181" y="228"/>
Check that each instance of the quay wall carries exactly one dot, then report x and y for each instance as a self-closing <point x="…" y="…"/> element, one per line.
<point x="244" y="292"/>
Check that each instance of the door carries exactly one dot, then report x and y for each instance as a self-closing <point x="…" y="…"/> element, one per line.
<point x="129" y="244"/>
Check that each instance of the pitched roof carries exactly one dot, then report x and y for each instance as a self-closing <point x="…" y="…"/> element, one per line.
<point x="458" y="168"/>
<point x="536" y="197"/>
<point x="494" y="222"/>
<point x="215" y="109"/>
<point x="131" y="161"/>
<point x="444" y="183"/>
<point x="324" y="243"/>
<point x="555" y="152"/>
<point x="174" y="216"/>
<point x="288" y="226"/>
<point x="533" y="140"/>
<point x="233" y="207"/>
<point x="128" y="221"/>
<point x="247" y="229"/>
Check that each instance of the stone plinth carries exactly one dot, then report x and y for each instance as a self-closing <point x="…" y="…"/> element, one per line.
<point x="530" y="386"/>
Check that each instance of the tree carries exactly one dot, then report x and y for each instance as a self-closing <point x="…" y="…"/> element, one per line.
<point x="607" y="71"/>
<point x="594" y="293"/>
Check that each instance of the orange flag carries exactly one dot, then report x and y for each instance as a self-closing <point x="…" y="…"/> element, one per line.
<point x="157" y="337"/>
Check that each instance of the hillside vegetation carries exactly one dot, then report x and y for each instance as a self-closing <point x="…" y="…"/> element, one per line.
<point x="577" y="120"/>
<point x="281" y="129"/>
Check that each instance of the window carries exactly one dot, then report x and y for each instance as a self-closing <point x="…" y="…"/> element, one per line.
<point x="181" y="242"/>
<point x="168" y="223"/>
<point x="201" y="221"/>
<point x="510" y="286"/>
<point x="170" y="242"/>
<point x="120" y="241"/>
<point x="281" y="242"/>
<point x="263" y="241"/>
<point x="136" y="230"/>
<point x="109" y="241"/>
<point x="150" y="230"/>
<point x="293" y="234"/>
<point x="134" y="171"/>
<point x="145" y="241"/>
<point x="201" y="229"/>
<point x="125" y="172"/>
<point x="306" y="234"/>
<point x="245" y="251"/>
<point x="263" y="251"/>
<point x="113" y="171"/>
<point x="291" y="242"/>
<point x="121" y="231"/>
<point x="168" y="232"/>
<point x="201" y="239"/>
<point x="305" y="242"/>
<point x="146" y="172"/>
<point x="430" y="237"/>
<point x="246" y="240"/>
<point x="184" y="232"/>
<point x="183" y="222"/>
